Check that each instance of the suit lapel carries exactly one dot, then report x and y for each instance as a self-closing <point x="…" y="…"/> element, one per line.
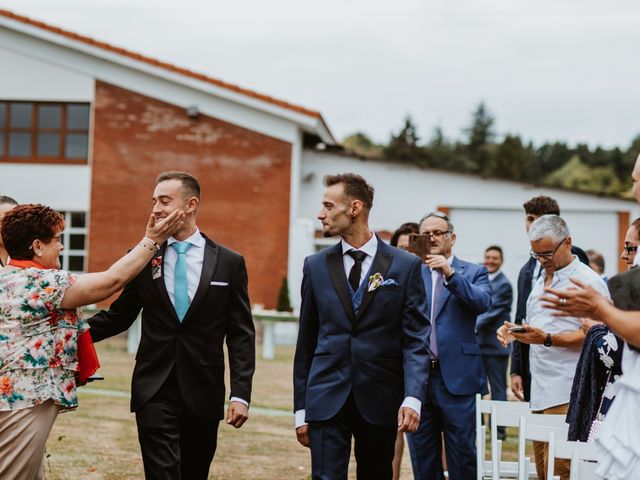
<point x="160" y="285"/>
<point x="335" y="265"/>
<point x="211" y="252"/>
<point x="381" y="263"/>
<point x="428" y="286"/>
<point x="446" y="294"/>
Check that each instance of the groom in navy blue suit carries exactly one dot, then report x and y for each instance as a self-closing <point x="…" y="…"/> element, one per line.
<point x="457" y="292"/>
<point x="361" y="363"/>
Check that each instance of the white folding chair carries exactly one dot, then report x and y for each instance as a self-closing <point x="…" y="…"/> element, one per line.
<point x="539" y="428"/>
<point x="503" y="414"/>
<point x="583" y="456"/>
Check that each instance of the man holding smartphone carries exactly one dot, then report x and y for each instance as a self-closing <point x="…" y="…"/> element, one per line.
<point x="457" y="292"/>
<point x="529" y="273"/>
<point x="555" y="342"/>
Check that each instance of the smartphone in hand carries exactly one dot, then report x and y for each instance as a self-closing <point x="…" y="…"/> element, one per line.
<point x="420" y="245"/>
<point x="518" y="329"/>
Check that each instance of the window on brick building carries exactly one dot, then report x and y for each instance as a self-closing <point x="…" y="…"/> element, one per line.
<point x="44" y="131"/>
<point x="74" y="239"/>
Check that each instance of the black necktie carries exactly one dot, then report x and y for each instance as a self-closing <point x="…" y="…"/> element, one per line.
<point x="356" y="270"/>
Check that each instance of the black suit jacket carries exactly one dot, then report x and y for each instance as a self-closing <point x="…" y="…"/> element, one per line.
<point x="194" y="347"/>
<point x="520" y="351"/>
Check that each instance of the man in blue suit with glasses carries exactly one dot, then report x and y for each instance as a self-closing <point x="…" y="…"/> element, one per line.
<point x="457" y="292"/>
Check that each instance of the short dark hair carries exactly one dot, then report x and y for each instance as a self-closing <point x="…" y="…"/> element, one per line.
<point x="496" y="248"/>
<point x="355" y="186"/>
<point x="24" y="224"/>
<point x="5" y="200"/>
<point x="596" y="258"/>
<point x="404" y="229"/>
<point x="542" y="205"/>
<point x="189" y="182"/>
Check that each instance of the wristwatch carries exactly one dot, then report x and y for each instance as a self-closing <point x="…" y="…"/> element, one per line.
<point x="453" y="272"/>
<point x="547" y="341"/>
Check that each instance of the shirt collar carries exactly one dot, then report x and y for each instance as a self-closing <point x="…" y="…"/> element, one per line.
<point x="565" y="272"/>
<point x="370" y="248"/>
<point x="493" y="275"/>
<point x="196" y="239"/>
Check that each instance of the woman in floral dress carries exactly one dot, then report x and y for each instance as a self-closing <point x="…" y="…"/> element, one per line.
<point x="39" y="328"/>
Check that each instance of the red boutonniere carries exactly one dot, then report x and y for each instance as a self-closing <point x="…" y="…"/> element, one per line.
<point x="156" y="267"/>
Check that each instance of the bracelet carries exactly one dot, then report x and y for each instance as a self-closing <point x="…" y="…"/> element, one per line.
<point x="157" y="247"/>
<point x="147" y="247"/>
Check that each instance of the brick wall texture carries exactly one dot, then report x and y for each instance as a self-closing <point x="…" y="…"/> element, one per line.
<point x="244" y="177"/>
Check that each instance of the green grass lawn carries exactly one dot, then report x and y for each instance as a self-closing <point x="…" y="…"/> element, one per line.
<point x="99" y="441"/>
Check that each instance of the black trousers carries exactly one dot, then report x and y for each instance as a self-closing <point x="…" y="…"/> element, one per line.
<point x="331" y="446"/>
<point x="176" y="444"/>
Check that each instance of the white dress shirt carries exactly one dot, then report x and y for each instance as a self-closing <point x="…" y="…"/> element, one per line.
<point x="195" y="259"/>
<point x="370" y="248"/>
<point x="553" y="368"/>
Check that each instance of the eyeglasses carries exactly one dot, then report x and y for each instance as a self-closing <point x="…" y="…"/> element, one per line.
<point x="630" y="248"/>
<point x="547" y="255"/>
<point x="436" y="233"/>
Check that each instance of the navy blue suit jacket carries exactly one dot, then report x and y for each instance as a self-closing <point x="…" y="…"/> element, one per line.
<point x="380" y="354"/>
<point x="465" y="297"/>
<point x="490" y="321"/>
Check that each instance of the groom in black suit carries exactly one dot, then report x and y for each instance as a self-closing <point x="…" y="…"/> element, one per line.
<point x="193" y="296"/>
<point x="362" y="356"/>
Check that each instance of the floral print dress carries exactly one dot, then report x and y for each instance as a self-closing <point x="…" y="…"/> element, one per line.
<point x="38" y="339"/>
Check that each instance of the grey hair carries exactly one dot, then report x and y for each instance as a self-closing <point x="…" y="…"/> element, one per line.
<point x="440" y="215"/>
<point x="548" y="226"/>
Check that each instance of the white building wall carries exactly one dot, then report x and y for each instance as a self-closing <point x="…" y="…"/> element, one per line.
<point x="62" y="187"/>
<point x="27" y="78"/>
<point x="483" y="211"/>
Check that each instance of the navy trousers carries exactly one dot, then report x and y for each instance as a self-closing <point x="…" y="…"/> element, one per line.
<point x="331" y="446"/>
<point x="453" y="415"/>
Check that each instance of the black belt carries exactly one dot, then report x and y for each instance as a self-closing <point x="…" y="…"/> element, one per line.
<point x="434" y="363"/>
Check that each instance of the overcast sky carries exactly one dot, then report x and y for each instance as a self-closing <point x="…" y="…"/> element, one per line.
<point x="548" y="70"/>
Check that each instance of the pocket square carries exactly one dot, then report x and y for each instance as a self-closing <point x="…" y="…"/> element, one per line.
<point x="220" y="284"/>
<point x="376" y="281"/>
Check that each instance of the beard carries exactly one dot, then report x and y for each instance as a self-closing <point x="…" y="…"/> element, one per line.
<point x="327" y="234"/>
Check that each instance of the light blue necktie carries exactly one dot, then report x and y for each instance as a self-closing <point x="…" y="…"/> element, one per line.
<point x="180" y="285"/>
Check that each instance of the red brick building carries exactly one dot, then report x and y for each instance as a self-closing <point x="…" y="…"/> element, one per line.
<point x="91" y="126"/>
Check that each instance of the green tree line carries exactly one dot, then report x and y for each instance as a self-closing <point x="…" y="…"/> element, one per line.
<point x="480" y="152"/>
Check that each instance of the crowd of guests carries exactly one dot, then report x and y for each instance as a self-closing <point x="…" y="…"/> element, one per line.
<point x="389" y="344"/>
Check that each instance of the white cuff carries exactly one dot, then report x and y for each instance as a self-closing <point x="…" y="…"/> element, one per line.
<point x="300" y="421"/>
<point x="237" y="399"/>
<point x="413" y="403"/>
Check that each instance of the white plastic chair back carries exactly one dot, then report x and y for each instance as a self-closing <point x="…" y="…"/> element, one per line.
<point x="539" y="428"/>
<point x="503" y="414"/>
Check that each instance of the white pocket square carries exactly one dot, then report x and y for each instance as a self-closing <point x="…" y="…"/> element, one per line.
<point x="220" y="284"/>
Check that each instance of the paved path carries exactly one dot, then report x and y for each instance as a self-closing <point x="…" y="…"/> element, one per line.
<point x="269" y="412"/>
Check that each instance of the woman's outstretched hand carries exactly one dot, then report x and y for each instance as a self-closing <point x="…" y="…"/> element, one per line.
<point x="160" y="230"/>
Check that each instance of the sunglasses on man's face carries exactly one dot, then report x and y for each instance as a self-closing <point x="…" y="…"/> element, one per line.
<point x="630" y="248"/>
